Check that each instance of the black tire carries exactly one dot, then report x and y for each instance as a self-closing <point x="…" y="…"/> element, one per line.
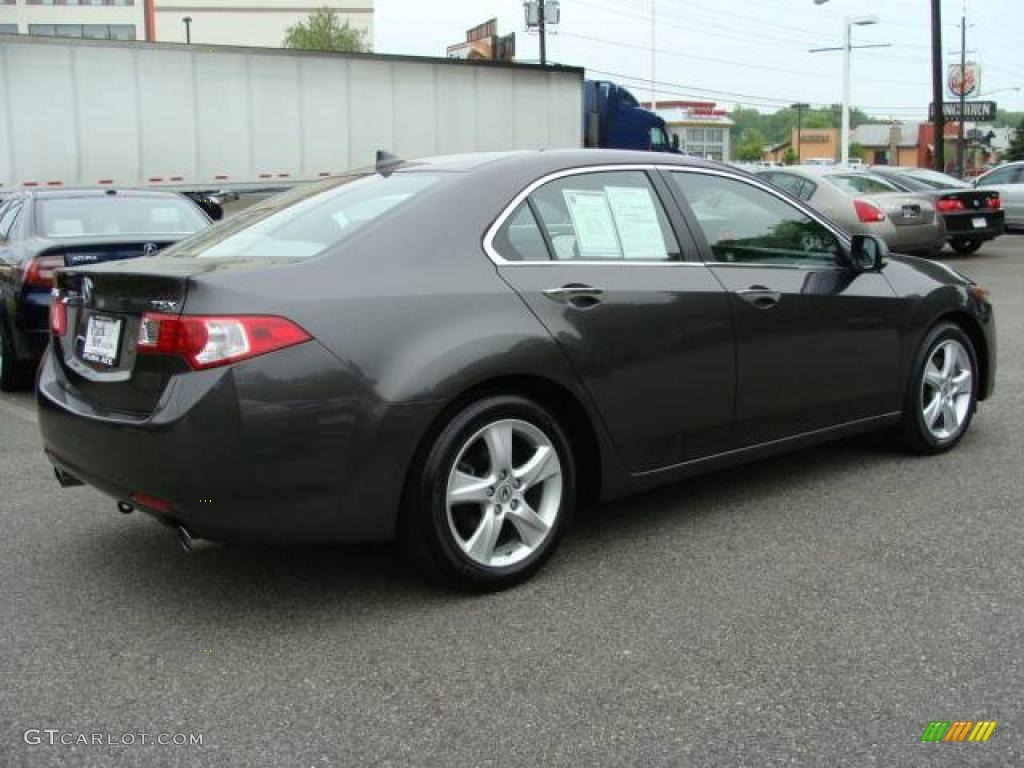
<point x="965" y="246"/>
<point x="15" y="374"/>
<point x="428" y="534"/>
<point x="914" y="432"/>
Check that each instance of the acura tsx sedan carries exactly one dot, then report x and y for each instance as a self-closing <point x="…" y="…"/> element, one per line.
<point x="458" y="352"/>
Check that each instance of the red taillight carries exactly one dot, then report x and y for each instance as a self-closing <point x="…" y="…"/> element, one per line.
<point x="39" y="270"/>
<point x="868" y="212"/>
<point x="949" y="205"/>
<point x="151" y="503"/>
<point x="206" y="342"/>
<point x="993" y="202"/>
<point x="58" y="316"/>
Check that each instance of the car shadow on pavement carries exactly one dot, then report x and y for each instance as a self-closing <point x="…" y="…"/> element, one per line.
<point x="217" y="581"/>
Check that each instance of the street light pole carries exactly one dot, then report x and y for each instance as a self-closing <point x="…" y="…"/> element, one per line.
<point x="963" y="93"/>
<point x="542" y="30"/>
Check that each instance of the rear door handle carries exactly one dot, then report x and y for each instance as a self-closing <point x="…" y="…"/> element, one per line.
<point x="760" y="296"/>
<point x="576" y="295"/>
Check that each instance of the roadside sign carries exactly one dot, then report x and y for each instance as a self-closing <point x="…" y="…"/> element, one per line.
<point x="963" y="82"/>
<point x="978" y="111"/>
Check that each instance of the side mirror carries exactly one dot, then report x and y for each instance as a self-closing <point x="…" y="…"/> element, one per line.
<point x="867" y="253"/>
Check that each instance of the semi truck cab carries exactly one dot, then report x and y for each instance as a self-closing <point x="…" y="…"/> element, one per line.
<point x="614" y="119"/>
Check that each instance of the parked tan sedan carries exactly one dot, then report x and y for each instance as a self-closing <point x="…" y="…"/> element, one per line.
<point x="864" y="203"/>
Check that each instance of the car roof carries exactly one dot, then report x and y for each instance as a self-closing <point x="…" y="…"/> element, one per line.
<point x="545" y="160"/>
<point x="78" y="192"/>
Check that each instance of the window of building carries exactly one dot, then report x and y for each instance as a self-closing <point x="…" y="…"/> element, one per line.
<point x="8" y="29"/>
<point x="92" y="31"/>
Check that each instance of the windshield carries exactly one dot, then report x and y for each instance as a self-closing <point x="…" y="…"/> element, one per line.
<point x="659" y="140"/>
<point x="118" y="215"/>
<point x="306" y="221"/>
<point x="861" y="184"/>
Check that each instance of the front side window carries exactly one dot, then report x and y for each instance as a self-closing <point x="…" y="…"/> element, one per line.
<point x="308" y="220"/>
<point x="605" y="216"/>
<point x="998" y="176"/>
<point x="743" y="223"/>
<point x="117" y="216"/>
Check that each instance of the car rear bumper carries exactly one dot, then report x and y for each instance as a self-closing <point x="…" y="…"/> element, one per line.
<point x="287" y="446"/>
<point x="962" y="225"/>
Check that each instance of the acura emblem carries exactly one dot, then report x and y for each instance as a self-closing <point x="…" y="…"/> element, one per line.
<point x="149" y="249"/>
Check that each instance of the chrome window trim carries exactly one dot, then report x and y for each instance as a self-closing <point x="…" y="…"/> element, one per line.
<point x="492" y="230"/>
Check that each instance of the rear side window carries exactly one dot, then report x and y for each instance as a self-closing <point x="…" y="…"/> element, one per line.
<point x="117" y="215"/>
<point x="307" y="221"/>
<point x="861" y="184"/>
<point x="612" y="215"/>
<point x="7" y="218"/>
<point x="801" y="188"/>
<point x="520" y="239"/>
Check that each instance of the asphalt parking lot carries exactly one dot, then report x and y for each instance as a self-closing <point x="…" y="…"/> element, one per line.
<point x="815" y="609"/>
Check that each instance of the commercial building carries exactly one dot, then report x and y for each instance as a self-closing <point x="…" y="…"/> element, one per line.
<point x="888" y="144"/>
<point x="213" y="22"/>
<point x="703" y="129"/>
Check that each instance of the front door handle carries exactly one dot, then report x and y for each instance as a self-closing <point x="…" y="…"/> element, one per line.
<point x="760" y="296"/>
<point x="576" y="295"/>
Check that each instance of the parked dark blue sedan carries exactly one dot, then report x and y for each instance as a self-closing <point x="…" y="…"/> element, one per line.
<point x="43" y="230"/>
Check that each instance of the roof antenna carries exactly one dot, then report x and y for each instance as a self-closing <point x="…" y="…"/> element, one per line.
<point x="387" y="162"/>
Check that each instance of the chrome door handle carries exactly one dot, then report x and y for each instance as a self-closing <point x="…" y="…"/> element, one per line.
<point x="760" y="296"/>
<point x="576" y="295"/>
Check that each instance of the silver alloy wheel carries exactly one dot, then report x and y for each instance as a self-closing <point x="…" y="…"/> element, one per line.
<point x="946" y="389"/>
<point x="504" y="493"/>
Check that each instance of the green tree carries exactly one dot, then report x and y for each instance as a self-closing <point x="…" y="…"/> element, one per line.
<point x="1016" y="149"/>
<point x="857" y="151"/>
<point x="790" y="157"/>
<point x="322" y="31"/>
<point x="751" y="145"/>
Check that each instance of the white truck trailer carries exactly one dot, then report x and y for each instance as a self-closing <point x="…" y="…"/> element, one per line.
<point x="192" y="117"/>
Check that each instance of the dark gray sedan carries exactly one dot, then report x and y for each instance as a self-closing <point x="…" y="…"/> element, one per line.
<point x="461" y="351"/>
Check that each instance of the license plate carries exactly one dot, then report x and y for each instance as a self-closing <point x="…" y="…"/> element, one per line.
<point x="979" y="222"/>
<point x="102" y="340"/>
<point x="910" y="211"/>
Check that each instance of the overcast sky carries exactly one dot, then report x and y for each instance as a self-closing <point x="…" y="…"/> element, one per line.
<point x="750" y="52"/>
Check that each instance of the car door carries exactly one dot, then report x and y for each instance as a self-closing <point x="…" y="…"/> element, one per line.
<point x="594" y="255"/>
<point x="9" y="213"/>
<point x="817" y="344"/>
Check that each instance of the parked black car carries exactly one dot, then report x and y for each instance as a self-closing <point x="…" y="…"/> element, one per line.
<point x="972" y="216"/>
<point x="461" y="350"/>
<point x="41" y="231"/>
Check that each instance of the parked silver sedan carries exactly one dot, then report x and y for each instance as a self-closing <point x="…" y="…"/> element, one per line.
<point x="1008" y="181"/>
<point x="864" y="203"/>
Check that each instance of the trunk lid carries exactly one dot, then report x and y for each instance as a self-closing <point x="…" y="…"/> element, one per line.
<point x="104" y="308"/>
<point x="904" y="209"/>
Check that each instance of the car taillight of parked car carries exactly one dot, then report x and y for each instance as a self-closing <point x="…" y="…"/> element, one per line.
<point x="950" y="205"/>
<point x="39" y="270"/>
<point x="207" y="342"/>
<point x="993" y="202"/>
<point x="58" y="315"/>
<point x="868" y="212"/>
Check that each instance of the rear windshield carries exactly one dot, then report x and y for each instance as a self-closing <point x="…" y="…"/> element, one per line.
<point x="936" y="180"/>
<point x="308" y="220"/>
<point x="861" y="184"/>
<point x="118" y="215"/>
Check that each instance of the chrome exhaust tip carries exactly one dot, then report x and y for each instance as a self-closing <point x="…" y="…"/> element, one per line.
<point x="186" y="540"/>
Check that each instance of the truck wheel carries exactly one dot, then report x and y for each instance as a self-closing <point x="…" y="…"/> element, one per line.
<point x="965" y="245"/>
<point x="488" y="504"/>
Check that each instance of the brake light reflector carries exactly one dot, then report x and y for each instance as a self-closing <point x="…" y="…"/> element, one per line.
<point x="993" y="202"/>
<point x="950" y="204"/>
<point x="151" y="503"/>
<point x="868" y="212"/>
<point x="206" y="341"/>
<point x="58" y="316"/>
<point x="39" y="270"/>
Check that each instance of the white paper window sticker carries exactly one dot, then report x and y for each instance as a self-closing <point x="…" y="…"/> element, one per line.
<point x="592" y="220"/>
<point x="636" y="218"/>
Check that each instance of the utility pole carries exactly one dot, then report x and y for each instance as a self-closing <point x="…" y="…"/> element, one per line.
<point x="939" y="119"/>
<point x="654" y="57"/>
<point x="799" y="107"/>
<point x="542" y="29"/>
<point x="963" y="92"/>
